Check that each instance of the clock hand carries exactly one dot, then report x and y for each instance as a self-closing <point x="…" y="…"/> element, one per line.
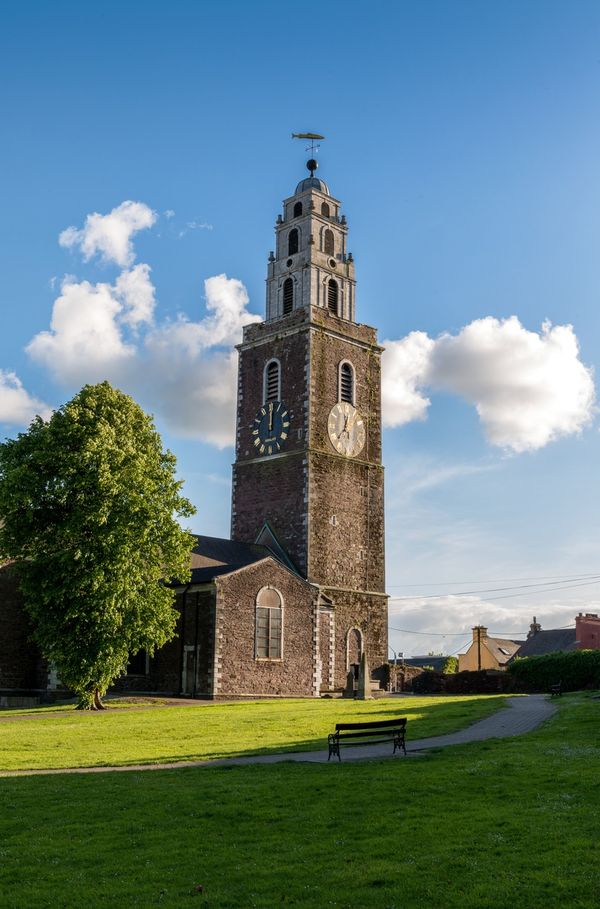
<point x="270" y="417"/>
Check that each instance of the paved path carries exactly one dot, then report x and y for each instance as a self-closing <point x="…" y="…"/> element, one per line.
<point x="522" y="715"/>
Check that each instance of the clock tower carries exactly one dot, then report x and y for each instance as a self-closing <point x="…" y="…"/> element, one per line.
<point x="308" y="473"/>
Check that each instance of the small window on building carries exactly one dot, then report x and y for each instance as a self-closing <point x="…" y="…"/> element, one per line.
<point x="272" y="380"/>
<point x="293" y="241"/>
<point x="297" y="209"/>
<point x="269" y="624"/>
<point x="288" y="295"/>
<point x="328" y="242"/>
<point x="346" y="390"/>
<point x="325" y="209"/>
<point x="332" y="296"/>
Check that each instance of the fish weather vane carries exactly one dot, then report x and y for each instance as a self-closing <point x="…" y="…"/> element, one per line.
<point x="312" y="148"/>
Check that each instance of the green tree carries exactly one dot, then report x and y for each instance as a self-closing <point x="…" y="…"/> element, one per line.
<point x="88" y="508"/>
<point x="451" y="664"/>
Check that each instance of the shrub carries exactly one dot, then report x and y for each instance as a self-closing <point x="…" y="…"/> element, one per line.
<point x="576" y="669"/>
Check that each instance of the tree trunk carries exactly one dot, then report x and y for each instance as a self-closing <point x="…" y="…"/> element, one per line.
<point x="98" y="705"/>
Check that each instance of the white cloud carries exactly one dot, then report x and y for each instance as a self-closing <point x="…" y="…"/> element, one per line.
<point x="194" y="225"/>
<point x="169" y="213"/>
<point x="444" y="615"/>
<point x="17" y="406"/>
<point x="136" y="291"/>
<point x="528" y="388"/>
<point x="184" y="371"/>
<point x="110" y="235"/>
<point x="85" y="342"/>
<point x="404" y="364"/>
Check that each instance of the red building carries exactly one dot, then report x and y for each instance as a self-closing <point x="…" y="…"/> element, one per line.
<point x="587" y="631"/>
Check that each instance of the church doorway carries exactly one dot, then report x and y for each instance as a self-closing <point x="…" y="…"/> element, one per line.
<point x="189" y="675"/>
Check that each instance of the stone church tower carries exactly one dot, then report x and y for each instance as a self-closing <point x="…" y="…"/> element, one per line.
<point x="308" y="472"/>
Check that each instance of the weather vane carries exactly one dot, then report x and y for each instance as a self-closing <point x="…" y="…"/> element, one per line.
<point x="312" y="148"/>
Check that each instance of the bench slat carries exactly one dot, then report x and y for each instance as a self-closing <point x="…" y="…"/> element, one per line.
<point x="378" y="724"/>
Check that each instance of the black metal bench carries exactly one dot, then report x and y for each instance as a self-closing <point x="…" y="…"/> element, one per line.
<point x="368" y="734"/>
<point x="556" y="690"/>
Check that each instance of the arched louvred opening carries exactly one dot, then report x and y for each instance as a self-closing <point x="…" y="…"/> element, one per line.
<point x="325" y="209"/>
<point x="332" y="296"/>
<point x="347" y="383"/>
<point x="272" y="374"/>
<point x="269" y="624"/>
<point x="288" y="296"/>
<point x="328" y="242"/>
<point x="297" y="209"/>
<point x="293" y="241"/>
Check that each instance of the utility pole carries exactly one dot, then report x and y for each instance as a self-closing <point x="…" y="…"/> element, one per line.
<point x="479" y="648"/>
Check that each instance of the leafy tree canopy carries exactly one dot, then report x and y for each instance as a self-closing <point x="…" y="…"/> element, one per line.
<point x="88" y="502"/>
<point x="450" y="665"/>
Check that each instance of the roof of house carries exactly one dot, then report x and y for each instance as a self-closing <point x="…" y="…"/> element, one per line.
<point x="548" y="642"/>
<point x="212" y="556"/>
<point x="502" y="649"/>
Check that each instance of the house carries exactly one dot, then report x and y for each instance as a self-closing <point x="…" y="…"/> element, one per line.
<point x="585" y="636"/>
<point x="540" y="642"/>
<point x="486" y="652"/>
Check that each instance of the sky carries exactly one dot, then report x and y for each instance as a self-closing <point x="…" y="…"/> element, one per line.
<point x="146" y="151"/>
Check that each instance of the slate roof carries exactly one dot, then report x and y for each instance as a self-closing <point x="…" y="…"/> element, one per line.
<point x="548" y="642"/>
<point x="502" y="649"/>
<point x="212" y="556"/>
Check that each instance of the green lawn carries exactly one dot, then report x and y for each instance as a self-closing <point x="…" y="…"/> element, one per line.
<point x="506" y="824"/>
<point x="81" y="739"/>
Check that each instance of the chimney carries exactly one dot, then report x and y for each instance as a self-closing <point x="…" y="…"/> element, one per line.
<point x="534" y="628"/>
<point x="479" y="633"/>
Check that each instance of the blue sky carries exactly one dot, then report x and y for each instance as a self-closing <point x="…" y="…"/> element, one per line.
<point x="463" y="139"/>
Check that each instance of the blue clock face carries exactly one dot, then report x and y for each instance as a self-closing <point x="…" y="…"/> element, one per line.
<point x="271" y="428"/>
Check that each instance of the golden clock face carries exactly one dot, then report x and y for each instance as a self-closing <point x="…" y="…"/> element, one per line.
<point x="346" y="429"/>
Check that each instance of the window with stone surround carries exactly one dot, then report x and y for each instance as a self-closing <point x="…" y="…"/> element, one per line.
<point x="269" y="624"/>
<point x="293" y="239"/>
<point x="325" y="209"/>
<point x="288" y="296"/>
<point x="346" y="382"/>
<point x="297" y="209"/>
<point x="332" y="296"/>
<point x="272" y="382"/>
<point x="328" y="246"/>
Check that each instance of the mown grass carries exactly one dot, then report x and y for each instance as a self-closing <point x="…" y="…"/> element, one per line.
<point x="508" y="824"/>
<point x="80" y="739"/>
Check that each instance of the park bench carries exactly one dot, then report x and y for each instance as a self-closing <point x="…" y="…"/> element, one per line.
<point x="368" y="734"/>
<point x="556" y="690"/>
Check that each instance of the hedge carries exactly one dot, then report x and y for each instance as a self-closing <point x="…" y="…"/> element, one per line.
<point x="576" y="669"/>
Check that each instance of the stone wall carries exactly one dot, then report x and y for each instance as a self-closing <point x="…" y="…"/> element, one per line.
<point x="238" y="671"/>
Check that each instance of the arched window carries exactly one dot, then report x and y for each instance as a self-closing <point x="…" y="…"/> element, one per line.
<point x="346" y="383"/>
<point x="272" y="382"/>
<point x="269" y="624"/>
<point x="328" y="242"/>
<point x="325" y="209"/>
<point x="293" y="241"/>
<point x="297" y="209"/>
<point x="288" y="295"/>
<point x="332" y="296"/>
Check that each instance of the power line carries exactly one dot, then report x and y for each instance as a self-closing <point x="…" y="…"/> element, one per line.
<point x="452" y="634"/>
<point x="543" y="577"/>
<point x="551" y="585"/>
<point x="524" y="587"/>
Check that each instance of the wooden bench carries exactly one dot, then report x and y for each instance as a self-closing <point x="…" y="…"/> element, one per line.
<point x="368" y="734"/>
<point x="556" y="690"/>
